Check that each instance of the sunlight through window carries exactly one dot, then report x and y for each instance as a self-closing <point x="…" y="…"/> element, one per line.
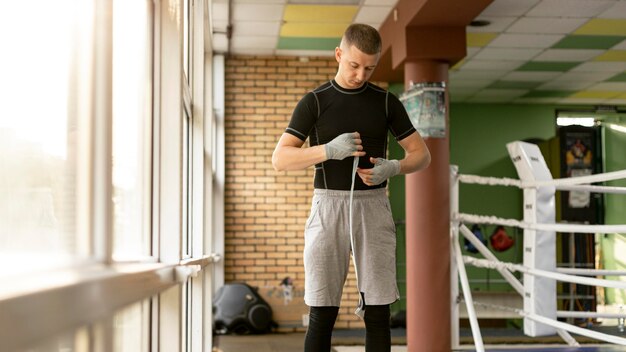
<point x="38" y="130"/>
<point x="132" y="127"/>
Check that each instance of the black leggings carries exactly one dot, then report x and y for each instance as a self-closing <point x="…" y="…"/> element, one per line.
<point x="322" y="321"/>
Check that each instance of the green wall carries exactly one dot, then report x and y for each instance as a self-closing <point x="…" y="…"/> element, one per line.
<point x="613" y="246"/>
<point x="478" y="137"/>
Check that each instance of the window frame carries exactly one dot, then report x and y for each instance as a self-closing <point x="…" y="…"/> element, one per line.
<point x="56" y="302"/>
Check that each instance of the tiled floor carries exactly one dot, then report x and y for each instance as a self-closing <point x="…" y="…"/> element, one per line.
<point x="352" y="341"/>
<point x="512" y="348"/>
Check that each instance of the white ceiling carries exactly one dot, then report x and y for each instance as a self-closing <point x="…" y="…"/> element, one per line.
<point x="525" y="54"/>
<point x="256" y="23"/>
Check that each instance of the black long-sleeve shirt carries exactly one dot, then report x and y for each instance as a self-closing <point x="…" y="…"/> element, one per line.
<point x="331" y="110"/>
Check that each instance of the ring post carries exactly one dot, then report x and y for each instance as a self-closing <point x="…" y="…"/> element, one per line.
<point x="539" y="245"/>
<point x="454" y="272"/>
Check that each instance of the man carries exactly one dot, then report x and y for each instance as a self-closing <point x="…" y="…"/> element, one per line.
<point x="347" y="120"/>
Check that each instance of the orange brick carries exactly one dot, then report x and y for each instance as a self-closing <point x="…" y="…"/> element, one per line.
<point x="266" y="69"/>
<point x="265" y="276"/>
<point x="277" y="63"/>
<point x="290" y="83"/>
<point x="265" y="83"/>
<point x="276" y="227"/>
<point x="254" y="255"/>
<point x="278" y="76"/>
<point x="287" y="70"/>
<point x="253" y="90"/>
<point x="265" y="110"/>
<point x="276" y="255"/>
<point x="256" y="62"/>
<point x="265" y="210"/>
<point x="265" y="262"/>
<point x="275" y="104"/>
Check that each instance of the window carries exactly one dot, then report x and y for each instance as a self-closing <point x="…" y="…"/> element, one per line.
<point x="40" y="119"/>
<point x="74" y="341"/>
<point x="187" y="181"/>
<point x="131" y="328"/>
<point x="187" y="26"/>
<point x="128" y="328"/>
<point x="101" y="189"/>
<point x="188" y="129"/>
<point x="132" y="127"/>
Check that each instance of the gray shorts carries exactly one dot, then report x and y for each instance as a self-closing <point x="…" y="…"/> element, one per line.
<point x="327" y="247"/>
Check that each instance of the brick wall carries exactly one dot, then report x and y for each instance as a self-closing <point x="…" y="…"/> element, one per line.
<point x="265" y="210"/>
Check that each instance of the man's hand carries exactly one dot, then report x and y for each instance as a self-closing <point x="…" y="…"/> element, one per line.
<point x="383" y="169"/>
<point x="343" y="146"/>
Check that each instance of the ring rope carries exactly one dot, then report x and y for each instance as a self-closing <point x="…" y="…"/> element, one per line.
<point x="484" y="263"/>
<point x="566" y="184"/>
<point x="592" y="188"/>
<point x="607" y="176"/>
<point x="570" y="184"/>
<point x="591" y="272"/>
<point x="575" y="329"/>
<point x="467" y="293"/>
<point x="512" y="280"/>
<point x="557" y="227"/>
<point x="567" y="337"/>
<point x="491" y="181"/>
<point x="561" y="332"/>
<point x="576" y="314"/>
<point x="557" y="324"/>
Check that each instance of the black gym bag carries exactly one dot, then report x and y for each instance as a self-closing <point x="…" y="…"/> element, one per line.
<point x="239" y="309"/>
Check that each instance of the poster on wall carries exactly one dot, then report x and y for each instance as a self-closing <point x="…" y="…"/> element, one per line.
<point x="580" y="155"/>
<point x="578" y="162"/>
<point x="425" y="103"/>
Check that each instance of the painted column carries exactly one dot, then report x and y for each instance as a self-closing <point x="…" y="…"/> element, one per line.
<point x="428" y="232"/>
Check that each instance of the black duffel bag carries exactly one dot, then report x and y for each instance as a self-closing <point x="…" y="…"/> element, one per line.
<point x="239" y="309"/>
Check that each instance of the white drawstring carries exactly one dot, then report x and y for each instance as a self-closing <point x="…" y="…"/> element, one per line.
<point x="360" y="310"/>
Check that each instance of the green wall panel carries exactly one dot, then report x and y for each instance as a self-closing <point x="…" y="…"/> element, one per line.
<point x="478" y="137"/>
<point x="302" y="43"/>
<point x="396" y="198"/>
<point x="613" y="246"/>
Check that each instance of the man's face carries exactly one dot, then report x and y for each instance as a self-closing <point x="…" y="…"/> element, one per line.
<point x="355" y="66"/>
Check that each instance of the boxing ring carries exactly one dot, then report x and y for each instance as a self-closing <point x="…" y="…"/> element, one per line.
<point x="539" y="270"/>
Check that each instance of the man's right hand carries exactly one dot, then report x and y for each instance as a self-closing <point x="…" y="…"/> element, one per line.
<point x="343" y="146"/>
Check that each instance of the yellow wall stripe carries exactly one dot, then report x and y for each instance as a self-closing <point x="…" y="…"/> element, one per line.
<point x="595" y="94"/>
<point x="458" y="65"/>
<point x="603" y="26"/>
<point x="612" y="55"/>
<point x="313" y="30"/>
<point x="319" y="13"/>
<point x="480" y="39"/>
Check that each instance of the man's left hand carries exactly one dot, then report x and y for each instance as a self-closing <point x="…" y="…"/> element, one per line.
<point x="383" y="169"/>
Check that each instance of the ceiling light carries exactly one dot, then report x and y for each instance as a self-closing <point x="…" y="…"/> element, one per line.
<point x="325" y="2"/>
<point x="606" y="109"/>
<point x="618" y="128"/>
<point x="581" y="121"/>
<point x="479" y="23"/>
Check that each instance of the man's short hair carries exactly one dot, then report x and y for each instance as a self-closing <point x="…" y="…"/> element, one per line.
<point x="366" y="38"/>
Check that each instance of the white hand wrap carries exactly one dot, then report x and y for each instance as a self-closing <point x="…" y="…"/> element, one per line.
<point x="384" y="169"/>
<point x="341" y="147"/>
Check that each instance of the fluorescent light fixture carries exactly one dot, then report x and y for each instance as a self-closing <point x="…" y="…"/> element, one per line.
<point x="618" y="128"/>
<point x="581" y="121"/>
<point x="324" y="2"/>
